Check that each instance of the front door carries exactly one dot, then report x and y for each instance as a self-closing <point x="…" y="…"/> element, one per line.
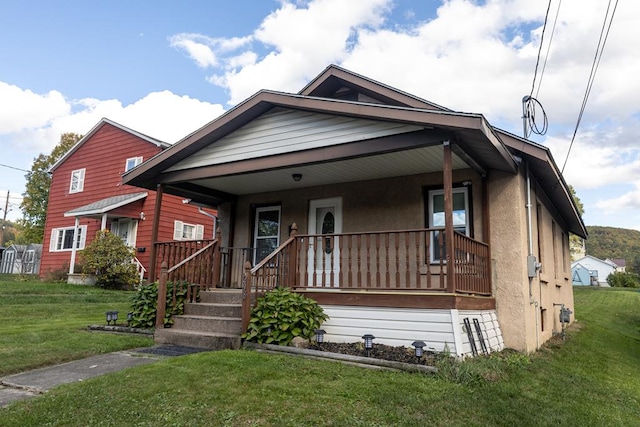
<point x="325" y="220"/>
<point x="126" y="229"/>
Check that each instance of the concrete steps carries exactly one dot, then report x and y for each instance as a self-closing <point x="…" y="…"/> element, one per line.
<point x="214" y="323"/>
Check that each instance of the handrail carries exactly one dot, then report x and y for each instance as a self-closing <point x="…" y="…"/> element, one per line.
<point x="192" y="256"/>
<point x="272" y="255"/>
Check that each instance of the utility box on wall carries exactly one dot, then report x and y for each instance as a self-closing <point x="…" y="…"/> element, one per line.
<point x="565" y="315"/>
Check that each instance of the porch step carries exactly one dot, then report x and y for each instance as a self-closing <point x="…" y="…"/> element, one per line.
<point x="214" y="323"/>
<point x="226" y="325"/>
<point x="213" y="309"/>
<point x="200" y="339"/>
<point x="221" y="296"/>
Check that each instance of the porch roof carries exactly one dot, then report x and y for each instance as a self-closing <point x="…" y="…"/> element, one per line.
<point x="103" y="206"/>
<point x="423" y="133"/>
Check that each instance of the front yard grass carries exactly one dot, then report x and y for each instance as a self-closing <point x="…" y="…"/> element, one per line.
<point x="589" y="380"/>
<point x="43" y="324"/>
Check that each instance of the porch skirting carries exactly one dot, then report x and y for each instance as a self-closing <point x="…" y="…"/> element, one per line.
<point x="438" y="328"/>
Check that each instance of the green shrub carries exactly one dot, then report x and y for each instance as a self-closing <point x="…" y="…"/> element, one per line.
<point x="109" y="258"/>
<point x="623" y="280"/>
<point x="280" y="315"/>
<point x="145" y="302"/>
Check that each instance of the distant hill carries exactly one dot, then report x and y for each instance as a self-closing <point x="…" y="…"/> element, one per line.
<point x="612" y="242"/>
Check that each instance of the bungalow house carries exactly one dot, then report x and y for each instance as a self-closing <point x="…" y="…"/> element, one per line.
<point x="87" y="195"/>
<point x="402" y="218"/>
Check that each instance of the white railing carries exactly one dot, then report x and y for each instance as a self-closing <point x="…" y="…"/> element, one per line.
<point x="139" y="267"/>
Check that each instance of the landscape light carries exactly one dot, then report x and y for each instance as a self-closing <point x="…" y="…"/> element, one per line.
<point x="368" y="343"/>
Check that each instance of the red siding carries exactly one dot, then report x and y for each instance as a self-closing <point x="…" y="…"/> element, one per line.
<point x="103" y="155"/>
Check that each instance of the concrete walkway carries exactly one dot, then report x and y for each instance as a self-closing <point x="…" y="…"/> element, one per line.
<point x="32" y="383"/>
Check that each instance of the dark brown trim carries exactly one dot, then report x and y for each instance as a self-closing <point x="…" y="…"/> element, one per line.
<point x="402" y="300"/>
<point x="447" y="181"/>
<point x="389" y="144"/>
<point x="154" y="232"/>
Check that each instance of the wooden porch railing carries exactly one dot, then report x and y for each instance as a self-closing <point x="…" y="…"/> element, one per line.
<point x="405" y="260"/>
<point x="200" y="270"/>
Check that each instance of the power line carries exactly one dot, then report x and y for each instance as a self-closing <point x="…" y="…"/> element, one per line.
<point x="594" y="69"/>
<point x="546" y="57"/>
<point x="12" y="167"/>
<point x="535" y="73"/>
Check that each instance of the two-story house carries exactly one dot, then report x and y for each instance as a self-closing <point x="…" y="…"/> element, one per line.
<point x="87" y="195"/>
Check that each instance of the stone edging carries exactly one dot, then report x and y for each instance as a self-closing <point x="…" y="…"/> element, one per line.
<point x="116" y="328"/>
<point x="366" y="361"/>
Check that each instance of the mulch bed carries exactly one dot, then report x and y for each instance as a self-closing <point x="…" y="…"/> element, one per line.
<point x="379" y="351"/>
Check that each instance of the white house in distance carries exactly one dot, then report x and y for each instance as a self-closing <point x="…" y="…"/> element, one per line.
<point x="599" y="269"/>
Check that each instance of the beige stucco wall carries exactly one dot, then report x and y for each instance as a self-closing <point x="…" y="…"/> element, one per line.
<point x="518" y="299"/>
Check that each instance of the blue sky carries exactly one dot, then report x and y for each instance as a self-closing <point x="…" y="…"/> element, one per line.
<point x="165" y="68"/>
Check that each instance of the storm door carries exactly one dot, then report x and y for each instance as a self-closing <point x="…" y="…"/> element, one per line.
<point x="325" y="221"/>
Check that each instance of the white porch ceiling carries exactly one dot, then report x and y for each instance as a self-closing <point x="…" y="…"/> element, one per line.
<point x="402" y="163"/>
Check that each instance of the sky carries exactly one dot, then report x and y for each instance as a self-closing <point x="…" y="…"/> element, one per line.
<point x="166" y="68"/>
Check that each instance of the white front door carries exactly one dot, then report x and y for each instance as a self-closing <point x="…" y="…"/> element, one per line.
<point x="325" y="219"/>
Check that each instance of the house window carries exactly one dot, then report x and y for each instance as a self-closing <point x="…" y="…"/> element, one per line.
<point x="62" y="239"/>
<point x="435" y="213"/>
<point x="266" y="234"/>
<point x="184" y="231"/>
<point x="132" y="162"/>
<point x="77" y="181"/>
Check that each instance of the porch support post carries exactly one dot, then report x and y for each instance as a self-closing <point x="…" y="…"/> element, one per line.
<point x="103" y="226"/>
<point x="217" y="259"/>
<point x="486" y="229"/>
<point x="154" y="233"/>
<point x="74" y="246"/>
<point x="447" y="180"/>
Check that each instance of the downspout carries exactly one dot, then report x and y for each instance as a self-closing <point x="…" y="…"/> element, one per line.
<point x="530" y="257"/>
<point x="213" y="217"/>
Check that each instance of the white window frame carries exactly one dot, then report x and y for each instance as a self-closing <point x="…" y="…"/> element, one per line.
<point x="467" y="210"/>
<point x="132" y="162"/>
<point x="58" y="237"/>
<point x="186" y="231"/>
<point x="255" y="229"/>
<point x="77" y="181"/>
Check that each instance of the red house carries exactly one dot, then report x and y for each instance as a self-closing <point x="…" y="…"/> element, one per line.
<point x="87" y="195"/>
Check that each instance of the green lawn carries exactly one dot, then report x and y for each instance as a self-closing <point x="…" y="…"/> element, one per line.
<point x="590" y="380"/>
<point x="46" y="323"/>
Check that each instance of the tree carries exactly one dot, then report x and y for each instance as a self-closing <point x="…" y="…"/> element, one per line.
<point x="36" y="196"/>
<point x="576" y="243"/>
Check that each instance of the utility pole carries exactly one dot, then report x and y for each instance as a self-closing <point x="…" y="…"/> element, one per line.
<point x="4" y="219"/>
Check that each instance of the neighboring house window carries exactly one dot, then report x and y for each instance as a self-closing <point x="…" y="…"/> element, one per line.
<point x="62" y="239"/>
<point x="132" y="162"/>
<point x="461" y="217"/>
<point x="266" y="234"/>
<point x="77" y="181"/>
<point x="184" y="231"/>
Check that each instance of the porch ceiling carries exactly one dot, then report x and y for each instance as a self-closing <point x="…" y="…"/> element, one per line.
<point x="402" y="163"/>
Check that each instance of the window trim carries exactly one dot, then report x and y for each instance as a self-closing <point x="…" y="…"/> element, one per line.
<point x="179" y="228"/>
<point x="55" y="237"/>
<point x="136" y="160"/>
<point x="80" y="181"/>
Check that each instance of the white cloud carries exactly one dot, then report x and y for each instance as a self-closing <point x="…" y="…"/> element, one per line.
<point x="162" y="115"/>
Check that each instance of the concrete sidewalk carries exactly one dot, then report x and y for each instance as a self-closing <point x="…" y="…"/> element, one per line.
<point x="32" y="383"/>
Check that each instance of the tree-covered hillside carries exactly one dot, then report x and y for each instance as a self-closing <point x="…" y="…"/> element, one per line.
<point x="611" y="242"/>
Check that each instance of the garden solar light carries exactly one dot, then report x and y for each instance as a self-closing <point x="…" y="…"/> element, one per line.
<point x="129" y="317"/>
<point x="112" y="316"/>
<point x="368" y="343"/>
<point x="320" y="336"/>
<point x="418" y="346"/>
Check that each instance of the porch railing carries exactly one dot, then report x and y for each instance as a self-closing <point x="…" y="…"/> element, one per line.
<point x="410" y="260"/>
<point x="201" y="269"/>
